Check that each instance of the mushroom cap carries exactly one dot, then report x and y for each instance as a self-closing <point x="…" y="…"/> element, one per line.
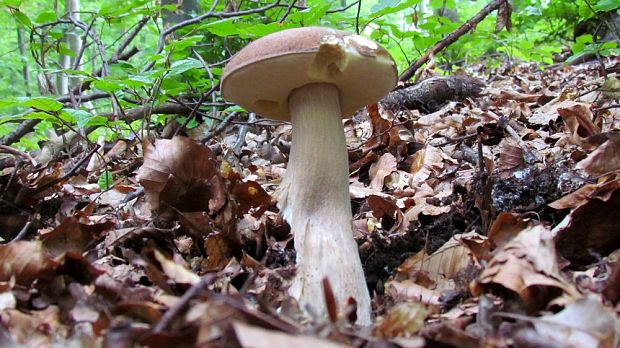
<point x="261" y="76"/>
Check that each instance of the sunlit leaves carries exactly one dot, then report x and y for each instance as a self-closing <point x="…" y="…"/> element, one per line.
<point x="43" y="104"/>
<point x="606" y="5"/>
<point x="22" y="18"/>
<point x="231" y="26"/>
<point x="385" y="7"/>
<point x="184" y="65"/>
<point x="45" y="16"/>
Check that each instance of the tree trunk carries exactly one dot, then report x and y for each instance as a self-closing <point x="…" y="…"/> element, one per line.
<point x="24" y="58"/>
<point x="74" y="43"/>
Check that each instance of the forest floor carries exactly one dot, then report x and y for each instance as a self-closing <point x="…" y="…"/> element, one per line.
<point x="487" y="220"/>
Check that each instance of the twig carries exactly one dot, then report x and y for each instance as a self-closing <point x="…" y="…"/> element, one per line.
<point x="210" y="14"/>
<point x="183" y="302"/>
<point x="451" y="38"/>
<point x="16" y="152"/>
<point x="220" y="127"/>
<point x="357" y="17"/>
<point x="27" y="126"/>
<point x="21" y="196"/>
<point x="22" y="233"/>
<point x="288" y="11"/>
<point x="243" y="130"/>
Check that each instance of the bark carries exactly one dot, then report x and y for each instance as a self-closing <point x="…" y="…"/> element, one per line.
<point x="428" y="95"/>
<point x="22" y="52"/>
<point x="74" y="43"/>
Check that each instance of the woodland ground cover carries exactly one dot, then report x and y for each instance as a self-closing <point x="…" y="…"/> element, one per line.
<point x="137" y="204"/>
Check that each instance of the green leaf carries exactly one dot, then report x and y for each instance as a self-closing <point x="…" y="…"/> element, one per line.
<point x="581" y="42"/>
<point x="224" y="27"/>
<point x="108" y="86"/>
<point x="40" y="116"/>
<point x="43" y="104"/>
<point x="382" y="4"/>
<point x="11" y="3"/>
<point x="106" y="180"/>
<point x="65" y="50"/>
<point x="184" y="65"/>
<point x="46" y="16"/>
<point x="80" y="117"/>
<point x="22" y="18"/>
<point x="392" y="8"/>
<point x="606" y="5"/>
<point x="8" y="103"/>
<point x="184" y="43"/>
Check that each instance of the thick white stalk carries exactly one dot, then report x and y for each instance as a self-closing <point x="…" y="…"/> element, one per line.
<point x="314" y="199"/>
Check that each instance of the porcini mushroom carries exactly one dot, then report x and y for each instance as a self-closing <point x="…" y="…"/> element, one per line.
<point x="313" y="77"/>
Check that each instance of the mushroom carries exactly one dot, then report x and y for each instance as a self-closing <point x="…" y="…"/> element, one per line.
<point x="314" y="77"/>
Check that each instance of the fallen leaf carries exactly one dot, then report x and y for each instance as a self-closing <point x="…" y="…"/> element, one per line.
<point x="578" y="118"/>
<point x="409" y="291"/>
<point x="256" y="337"/>
<point x="175" y="271"/>
<point x="604" y="159"/>
<point x="379" y="170"/>
<point x="403" y="320"/>
<point x="585" y="323"/>
<point x="590" y="228"/>
<point x="180" y="173"/>
<point x="26" y="261"/>
<point x="526" y="265"/>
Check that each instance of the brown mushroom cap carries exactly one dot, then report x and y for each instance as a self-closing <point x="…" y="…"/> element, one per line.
<point x="261" y="76"/>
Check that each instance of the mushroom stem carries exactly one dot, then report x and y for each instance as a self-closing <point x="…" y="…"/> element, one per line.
<point x="314" y="199"/>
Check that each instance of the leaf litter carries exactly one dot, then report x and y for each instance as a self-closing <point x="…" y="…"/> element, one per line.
<point x="489" y="219"/>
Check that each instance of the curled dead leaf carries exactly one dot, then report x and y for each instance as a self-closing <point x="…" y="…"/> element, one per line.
<point x="526" y="265"/>
<point x="180" y="173"/>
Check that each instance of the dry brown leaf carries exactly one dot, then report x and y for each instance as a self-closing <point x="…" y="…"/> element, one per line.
<point x="424" y="163"/>
<point x="385" y="208"/>
<point x="578" y="118"/>
<point x="379" y="170"/>
<point x="510" y="155"/>
<point x="181" y="173"/>
<point x="146" y="311"/>
<point x="403" y="320"/>
<point x="27" y="261"/>
<point x="590" y="228"/>
<point x="479" y="246"/>
<point x="175" y="271"/>
<point x="219" y="252"/>
<point x="36" y="329"/>
<point x="423" y="207"/>
<point x="526" y="265"/>
<point x="256" y="337"/>
<point x="380" y="127"/>
<point x="603" y="160"/>
<point x="409" y="291"/>
<point x="249" y="194"/>
<point x="74" y="234"/>
<point x="585" y="323"/>
<point x="440" y="267"/>
<point x="505" y="227"/>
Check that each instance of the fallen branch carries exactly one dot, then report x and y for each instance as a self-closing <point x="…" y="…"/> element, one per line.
<point x="430" y="94"/>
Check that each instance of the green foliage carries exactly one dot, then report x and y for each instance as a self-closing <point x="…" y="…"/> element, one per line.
<point x="105" y="181"/>
<point x="171" y="72"/>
